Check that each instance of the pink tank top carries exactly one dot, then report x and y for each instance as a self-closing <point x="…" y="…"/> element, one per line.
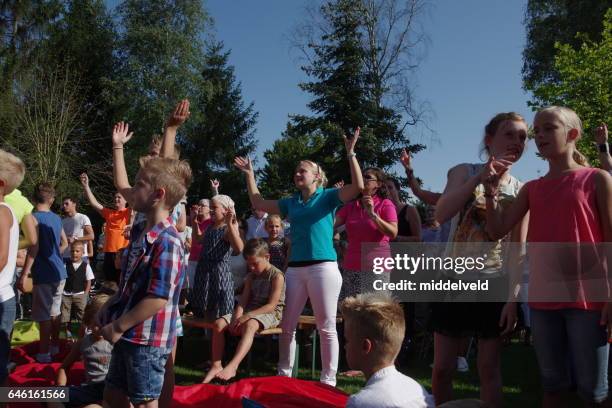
<point x="562" y="209"/>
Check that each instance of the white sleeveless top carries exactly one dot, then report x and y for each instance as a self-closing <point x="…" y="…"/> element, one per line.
<point x="8" y="272"/>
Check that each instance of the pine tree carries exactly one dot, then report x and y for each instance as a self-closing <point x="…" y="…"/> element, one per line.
<point x="225" y="131"/>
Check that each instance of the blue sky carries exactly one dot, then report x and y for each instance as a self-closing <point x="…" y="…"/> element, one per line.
<point x="472" y="70"/>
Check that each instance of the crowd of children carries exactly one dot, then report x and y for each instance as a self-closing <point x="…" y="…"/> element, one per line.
<point x="245" y="275"/>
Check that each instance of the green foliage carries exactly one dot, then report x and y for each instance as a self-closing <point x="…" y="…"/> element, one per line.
<point x="224" y="131"/>
<point x="550" y="21"/>
<point x="343" y="98"/>
<point x="584" y="84"/>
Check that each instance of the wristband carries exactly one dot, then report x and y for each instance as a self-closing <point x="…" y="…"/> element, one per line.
<point x="117" y="147"/>
<point x="603" y="148"/>
<point x="351" y="154"/>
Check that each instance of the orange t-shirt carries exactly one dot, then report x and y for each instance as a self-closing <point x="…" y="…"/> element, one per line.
<point x="116" y="220"/>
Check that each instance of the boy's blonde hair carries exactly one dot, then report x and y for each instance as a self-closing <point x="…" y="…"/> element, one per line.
<point x="317" y="170"/>
<point x="570" y="120"/>
<point x="273" y="217"/>
<point x="379" y="318"/>
<point x="174" y="176"/>
<point x="12" y="171"/>
<point x="93" y="307"/>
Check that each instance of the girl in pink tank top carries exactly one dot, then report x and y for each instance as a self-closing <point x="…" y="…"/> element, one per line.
<point x="570" y="204"/>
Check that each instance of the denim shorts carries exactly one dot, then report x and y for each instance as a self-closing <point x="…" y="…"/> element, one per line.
<point x="572" y="350"/>
<point x="8" y="309"/>
<point x="137" y="370"/>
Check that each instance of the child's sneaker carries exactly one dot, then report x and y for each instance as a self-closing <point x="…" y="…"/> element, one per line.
<point x="53" y="350"/>
<point x="462" y="365"/>
<point x="43" y="358"/>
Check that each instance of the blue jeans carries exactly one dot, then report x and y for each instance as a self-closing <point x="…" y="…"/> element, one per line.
<point x="7" y="317"/>
<point x="137" y="370"/>
<point x="572" y="349"/>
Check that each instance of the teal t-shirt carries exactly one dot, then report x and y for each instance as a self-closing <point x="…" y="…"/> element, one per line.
<point x="312" y="224"/>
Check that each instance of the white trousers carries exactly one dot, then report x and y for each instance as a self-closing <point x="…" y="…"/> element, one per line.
<point x="321" y="283"/>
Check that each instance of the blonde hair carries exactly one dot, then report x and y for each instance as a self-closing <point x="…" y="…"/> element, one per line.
<point x="224" y="200"/>
<point x="12" y="171"/>
<point x="93" y="307"/>
<point x="174" y="176"/>
<point x="379" y="318"/>
<point x="570" y="120"/>
<point x="318" y="170"/>
<point x="274" y="217"/>
<point x="494" y="124"/>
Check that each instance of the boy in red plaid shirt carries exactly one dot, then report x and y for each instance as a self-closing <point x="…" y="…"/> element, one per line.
<point x="141" y="319"/>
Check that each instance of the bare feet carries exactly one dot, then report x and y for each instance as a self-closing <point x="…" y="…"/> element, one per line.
<point x="212" y="373"/>
<point x="227" y="373"/>
<point x="352" y="373"/>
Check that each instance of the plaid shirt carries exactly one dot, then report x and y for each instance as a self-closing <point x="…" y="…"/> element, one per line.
<point x="153" y="267"/>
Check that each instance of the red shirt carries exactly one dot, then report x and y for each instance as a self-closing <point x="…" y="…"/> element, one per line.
<point x="196" y="247"/>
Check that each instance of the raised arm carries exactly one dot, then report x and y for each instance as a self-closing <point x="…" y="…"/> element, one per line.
<point x="89" y="194"/>
<point x="601" y="138"/>
<point x="179" y="115"/>
<point x="350" y="191"/>
<point x="121" y="136"/>
<point x="257" y="201"/>
<point x="232" y="235"/>
<point x="214" y="186"/>
<point x="428" y="197"/>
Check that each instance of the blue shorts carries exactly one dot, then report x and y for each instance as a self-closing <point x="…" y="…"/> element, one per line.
<point x="8" y="309"/>
<point x="137" y="370"/>
<point x="572" y="350"/>
<point x="85" y="394"/>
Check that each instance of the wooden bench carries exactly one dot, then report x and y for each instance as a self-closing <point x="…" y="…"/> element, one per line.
<point x="305" y="323"/>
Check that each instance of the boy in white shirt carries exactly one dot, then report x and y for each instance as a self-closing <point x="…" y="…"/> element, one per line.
<point x="374" y="328"/>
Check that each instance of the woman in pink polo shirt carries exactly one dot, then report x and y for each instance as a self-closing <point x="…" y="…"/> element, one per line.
<point x="371" y="218"/>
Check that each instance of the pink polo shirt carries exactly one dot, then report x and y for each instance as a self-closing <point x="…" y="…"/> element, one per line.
<point x="361" y="229"/>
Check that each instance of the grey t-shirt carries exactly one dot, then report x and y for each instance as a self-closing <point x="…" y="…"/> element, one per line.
<point x="96" y="358"/>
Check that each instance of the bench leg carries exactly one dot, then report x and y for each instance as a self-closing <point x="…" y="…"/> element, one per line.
<point x="296" y="360"/>
<point x="314" y="353"/>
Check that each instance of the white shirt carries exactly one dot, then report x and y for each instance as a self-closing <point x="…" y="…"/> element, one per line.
<point x="8" y="272"/>
<point x="388" y="388"/>
<point x="74" y="227"/>
<point x="89" y="275"/>
<point x="256" y="227"/>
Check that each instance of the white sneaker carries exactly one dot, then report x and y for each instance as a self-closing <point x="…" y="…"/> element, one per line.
<point x="53" y="350"/>
<point x="462" y="365"/>
<point x="43" y="358"/>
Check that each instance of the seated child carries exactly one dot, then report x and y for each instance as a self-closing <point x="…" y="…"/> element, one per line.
<point x="96" y="353"/>
<point x="260" y="308"/>
<point x="77" y="286"/>
<point x="374" y="328"/>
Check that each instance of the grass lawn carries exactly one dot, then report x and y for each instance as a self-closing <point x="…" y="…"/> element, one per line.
<point x="519" y="370"/>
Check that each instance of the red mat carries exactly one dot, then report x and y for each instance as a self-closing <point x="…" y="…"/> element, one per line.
<point x="272" y="392"/>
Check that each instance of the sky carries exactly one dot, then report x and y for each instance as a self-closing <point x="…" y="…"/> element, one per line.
<point x="471" y="71"/>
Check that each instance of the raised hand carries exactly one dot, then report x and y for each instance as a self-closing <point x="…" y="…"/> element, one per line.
<point x="339" y="184"/>
<point x="601" y="134"/>
<point x="214" y="183"/>
<point x="84" y="179"/>
<point x="405" y="159"/>
<point x="350" y="142"/>
<point x="230" y="216"/>
<point x="121" y="134"/>
<point x="244" y="164"/>
<point x="179" y="115"/>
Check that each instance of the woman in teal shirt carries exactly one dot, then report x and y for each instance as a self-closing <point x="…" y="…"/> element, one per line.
<point x="313" y="271"/>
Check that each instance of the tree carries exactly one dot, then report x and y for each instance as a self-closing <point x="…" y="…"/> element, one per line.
<point x="46" y="114"/>
<point x="583" y="84"/>
<point x="551" y="21"/>
<point x="160" y="61"/>
<point x="352" y="82"/>
<point x="225" y="131"/>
